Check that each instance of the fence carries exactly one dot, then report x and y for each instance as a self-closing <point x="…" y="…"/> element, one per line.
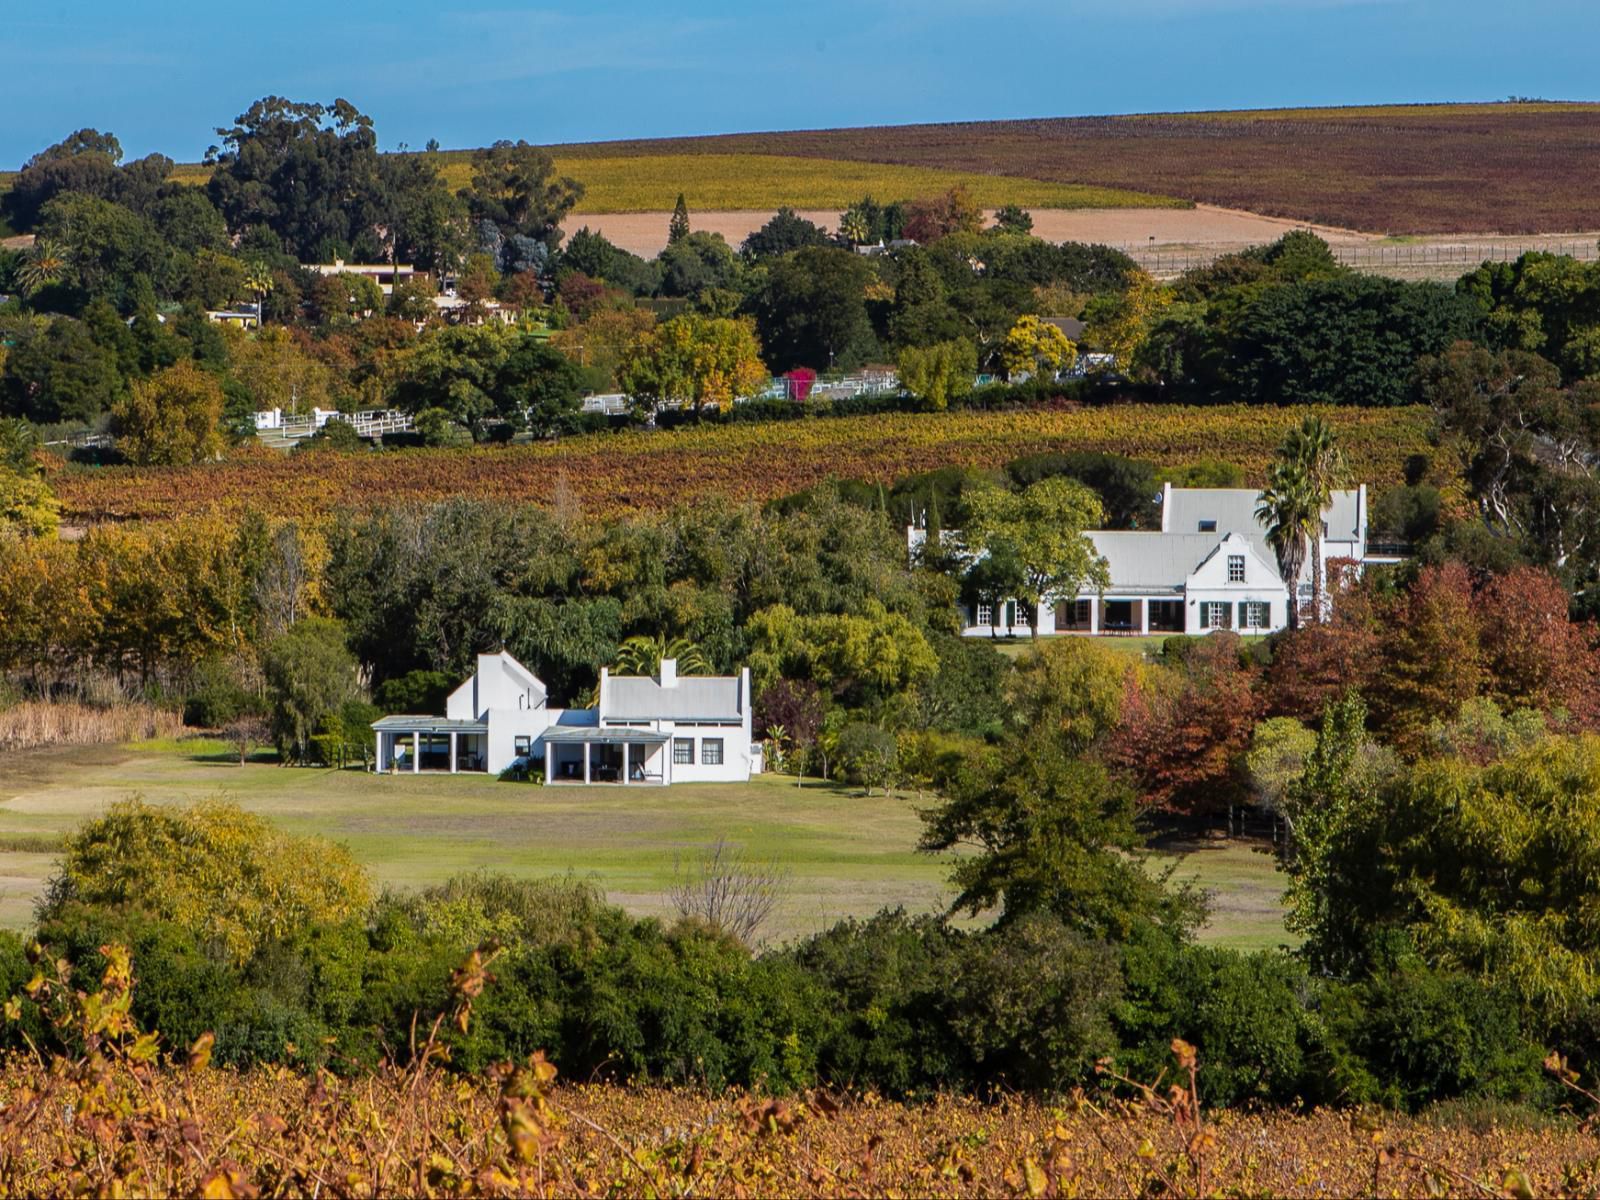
<point x="373" y="423"/>
<point x="1404" y="259"/>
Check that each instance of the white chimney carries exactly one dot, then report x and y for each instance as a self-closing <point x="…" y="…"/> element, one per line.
<point x="667" y="676"/>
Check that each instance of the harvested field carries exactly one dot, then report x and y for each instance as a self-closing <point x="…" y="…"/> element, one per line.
<point x="1401" y="169"/>
<point x="642" y="470"/>
<point x="1199" y="228"/>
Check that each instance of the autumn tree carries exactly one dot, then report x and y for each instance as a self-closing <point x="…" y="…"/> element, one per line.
<point x="1035" y="346"/>
<point x="693" y="361"/>
<point x="1432" y="647"/>
<point x="172" y="418"/>
<point x="1044" y="527"/>
<point x="1185" y="731"/>
<point x="929" y="219"/>
<point x="1535" y="655"/>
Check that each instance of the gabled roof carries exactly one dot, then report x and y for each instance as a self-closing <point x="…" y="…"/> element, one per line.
<point x="1151" y="561"/>
<point x="692" y="698"/>
<point x="1234" y="511"/>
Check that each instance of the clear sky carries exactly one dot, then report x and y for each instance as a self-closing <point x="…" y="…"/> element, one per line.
<point x="161" y="75"/>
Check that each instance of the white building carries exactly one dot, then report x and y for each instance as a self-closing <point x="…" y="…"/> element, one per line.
<point x="385" y="275"/>
<point x="655" y="730"/>
<point x="1208" y="567"/>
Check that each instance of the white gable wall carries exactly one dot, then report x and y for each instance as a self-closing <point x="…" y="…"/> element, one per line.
<point x="1209" y="583"/>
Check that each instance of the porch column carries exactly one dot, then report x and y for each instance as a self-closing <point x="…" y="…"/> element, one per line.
<point x="1094" y="614"/>
<point x="416" y="751"/>
<point x="586" y="762"/>
<point x="627" y="761"/>
<point x="452" y="752"/>
<point x="1144" y="615"/>
<point x="381" y="737"/>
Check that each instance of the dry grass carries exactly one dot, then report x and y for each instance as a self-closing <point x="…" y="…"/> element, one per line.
<point x="35" y="723"/>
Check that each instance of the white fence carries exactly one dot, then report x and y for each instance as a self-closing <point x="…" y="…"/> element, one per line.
<point x="373" y="423"/>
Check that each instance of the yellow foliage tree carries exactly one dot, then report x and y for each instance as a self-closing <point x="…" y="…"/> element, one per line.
<point x="171" y="419"/>
<point x="213" y="868"/>
<point x="1120" y="325"/>
<point x="27" y="504"/>
<point x="1035" y="346"/>
<point x="695" y="361"/>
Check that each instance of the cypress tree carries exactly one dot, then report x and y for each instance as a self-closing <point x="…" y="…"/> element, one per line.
<point x="679" y="227"/>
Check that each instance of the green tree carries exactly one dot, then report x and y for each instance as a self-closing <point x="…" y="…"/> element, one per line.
<point x="1050" y="832"/>
<point x="1070" y="688"/>
<point x="209" y="867"/>
<point x="1288" y="508"/>
<point x="538" y="387"/>
<point x="515" y="186"/>
<point x="784" y="234"/>
<point x="58" y="372"/>
<point x="938" y="373"/>
<point x="678" y="227"/>
<point x="812" y="310"/>
<point x="310" y="673"/>
<point x="171" y="419"/>
<point x="1012" y="218"/>
<point x="869" y="754"/>
<point x="692" y="361"/>
<point x="1314" y="450"/>
<point x="1044" y="527"/>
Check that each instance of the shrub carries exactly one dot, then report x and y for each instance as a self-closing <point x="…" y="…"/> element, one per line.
<point x="227" y="875"/>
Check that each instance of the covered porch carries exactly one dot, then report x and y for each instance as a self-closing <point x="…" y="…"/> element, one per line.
<point x="1126" y="613"/>
<point x="593" y="755"/>
<point x="417" y="744"/>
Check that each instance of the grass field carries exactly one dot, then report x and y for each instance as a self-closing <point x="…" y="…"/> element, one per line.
<point x="1396" y="169"/>
<point x="605" y="474"/>
<point x="848" y="855"/>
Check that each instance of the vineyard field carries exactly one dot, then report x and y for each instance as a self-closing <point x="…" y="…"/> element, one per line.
<point x="207" y="1131"/>
<point x="608" y="474"/>
<point x="1392" y="169"/>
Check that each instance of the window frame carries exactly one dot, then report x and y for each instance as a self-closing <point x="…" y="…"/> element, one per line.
<point x="522" y="745"/>
<point x="686" y="746"/>
<point x="1236" y="568"/>
<point x="983" y="616"/>
<point x="706" y="746"/>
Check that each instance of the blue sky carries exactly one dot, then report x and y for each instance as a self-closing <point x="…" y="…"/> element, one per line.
<point x="162" y="75"/>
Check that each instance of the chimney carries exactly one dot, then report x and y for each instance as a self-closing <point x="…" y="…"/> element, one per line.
<point x="667" y="675"/>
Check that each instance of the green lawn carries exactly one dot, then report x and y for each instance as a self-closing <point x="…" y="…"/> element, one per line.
<point x="847" y="854"/>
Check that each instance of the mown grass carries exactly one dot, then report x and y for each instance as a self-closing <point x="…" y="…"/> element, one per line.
<point x="846" y="854"/>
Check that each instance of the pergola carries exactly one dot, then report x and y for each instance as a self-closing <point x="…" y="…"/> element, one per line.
<point x="636" y="748"/>
<point x="467" y="740"/>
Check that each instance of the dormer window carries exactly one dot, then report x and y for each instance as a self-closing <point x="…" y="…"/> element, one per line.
<point x="1208" y="526"/>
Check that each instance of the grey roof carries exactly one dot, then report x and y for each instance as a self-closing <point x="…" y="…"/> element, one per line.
<point x="423" y="724"/>
<point x="566" y="735"/>
<point x="1234" y="511"/>
<point x="694" y="698"/>
<point x="1150" y="561"/>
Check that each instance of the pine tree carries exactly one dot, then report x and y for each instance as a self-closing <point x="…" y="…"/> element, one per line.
<point x="679" y="228"/>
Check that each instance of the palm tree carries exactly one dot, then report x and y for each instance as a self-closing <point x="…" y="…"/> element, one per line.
<point x="258" y="278"/>
<point x="1288" y="508"/>
<point x="642" y="655"/>
<point x="44" y="265"/>
<point x="1314" y="450"/>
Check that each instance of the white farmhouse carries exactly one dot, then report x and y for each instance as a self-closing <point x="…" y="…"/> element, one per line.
<point x="656" y="730"/>
<point x="1208" y="567"/>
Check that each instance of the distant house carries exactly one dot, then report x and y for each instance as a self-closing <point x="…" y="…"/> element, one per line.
<point x="1207" y="568"/>
<point x="648" y="730"/>
<point x="385" y="275"/>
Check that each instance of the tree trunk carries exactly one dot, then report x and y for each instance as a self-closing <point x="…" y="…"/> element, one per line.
<point x="1316" y="580"/>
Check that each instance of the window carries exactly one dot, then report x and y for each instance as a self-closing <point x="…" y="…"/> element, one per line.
<point x="682" y="752"/>
<point x="1253" y="614"/>
<point x="1208" y="526"/>
<point x="985" y="615"/>
<point x="1214" y="614"/>
<point x="711" y="752"/>
<point x="1235" y="568"/>
<point x="523" y="747"/>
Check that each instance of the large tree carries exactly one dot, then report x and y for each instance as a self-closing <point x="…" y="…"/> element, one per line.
<point x="515" y="186"/>
<point x="308" y="172"/>
<point x="171" y="419"/>
<point x="812" y="312"/>
<point x="1043" y="525"/>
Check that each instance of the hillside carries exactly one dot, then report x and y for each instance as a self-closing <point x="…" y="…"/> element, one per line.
<point x="1402" y="169"/>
